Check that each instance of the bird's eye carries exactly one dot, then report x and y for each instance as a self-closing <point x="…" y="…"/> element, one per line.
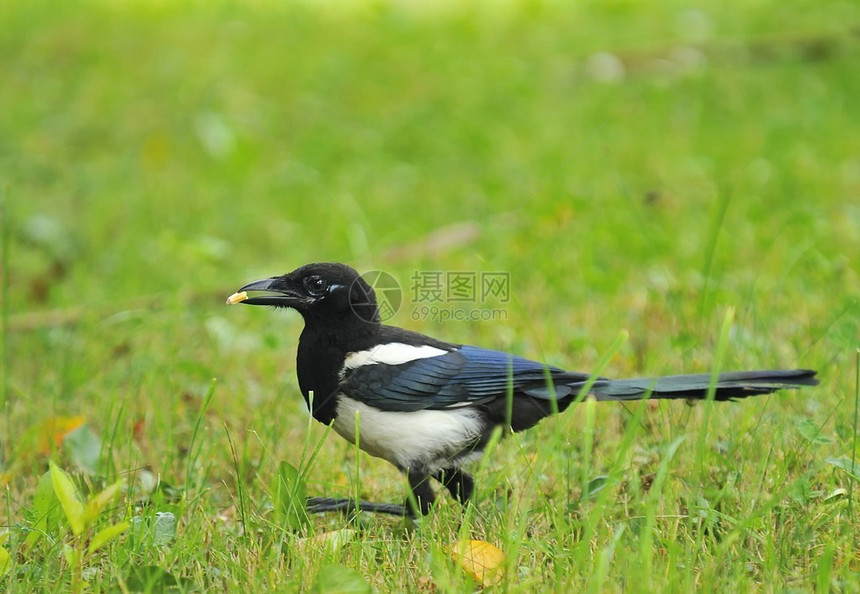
<point x="316" y="285"/>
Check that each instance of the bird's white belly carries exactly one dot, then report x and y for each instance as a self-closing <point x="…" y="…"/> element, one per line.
<point x="423" y="439"/>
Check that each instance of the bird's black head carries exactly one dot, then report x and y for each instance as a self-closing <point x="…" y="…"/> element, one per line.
<point x="325" y="292"/>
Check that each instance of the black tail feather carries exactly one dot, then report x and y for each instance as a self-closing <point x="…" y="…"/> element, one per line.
<point x="737" y="384"/>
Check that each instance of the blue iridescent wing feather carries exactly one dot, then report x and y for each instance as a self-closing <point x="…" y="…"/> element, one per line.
<point x="467" y="375"/>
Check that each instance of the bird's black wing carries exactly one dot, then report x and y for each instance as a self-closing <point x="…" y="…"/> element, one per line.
<point x="467" y="375"/>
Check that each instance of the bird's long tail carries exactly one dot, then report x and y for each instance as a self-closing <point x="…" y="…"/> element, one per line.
<point x="738" y="384"/>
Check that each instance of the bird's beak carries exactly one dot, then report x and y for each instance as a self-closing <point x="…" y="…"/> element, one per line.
<point x="279" y="293"/>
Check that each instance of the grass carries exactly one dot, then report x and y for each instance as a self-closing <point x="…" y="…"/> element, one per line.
<point x="647" y="169"/>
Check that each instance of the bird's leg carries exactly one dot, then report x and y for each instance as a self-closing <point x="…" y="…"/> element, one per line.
<point x="422" y="494"/>
<point x="460" y="484"/>
<point x="316" y="505"/>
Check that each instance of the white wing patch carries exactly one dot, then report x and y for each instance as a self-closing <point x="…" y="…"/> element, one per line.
<point x="393" y="353"/>
<point x="422" y="439"/>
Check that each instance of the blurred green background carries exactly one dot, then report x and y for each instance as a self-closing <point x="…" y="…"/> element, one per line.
<point x="638" y="166"/>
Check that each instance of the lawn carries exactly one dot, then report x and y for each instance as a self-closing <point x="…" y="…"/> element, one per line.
<point x="665" y="187"/>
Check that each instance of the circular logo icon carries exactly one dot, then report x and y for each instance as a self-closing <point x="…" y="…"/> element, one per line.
<point x="389" y="295"/>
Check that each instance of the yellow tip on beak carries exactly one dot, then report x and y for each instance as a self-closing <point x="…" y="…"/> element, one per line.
<point x="237" y="298"/>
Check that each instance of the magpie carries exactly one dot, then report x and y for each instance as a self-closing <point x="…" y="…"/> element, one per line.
<point x="429" y="406"/>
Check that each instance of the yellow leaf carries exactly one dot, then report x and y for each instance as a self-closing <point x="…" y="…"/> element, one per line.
<point x="105" y="536"/>
<point x="52" y="431"/>
<point x="98" y="503"/>
<point x="479" y="559"/>
<point x="68" y="496"/>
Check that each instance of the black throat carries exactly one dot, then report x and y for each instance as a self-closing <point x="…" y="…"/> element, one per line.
<point x="322" y="350"/>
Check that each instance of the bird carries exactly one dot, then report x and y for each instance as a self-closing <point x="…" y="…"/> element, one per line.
<point x="429" y="406"/>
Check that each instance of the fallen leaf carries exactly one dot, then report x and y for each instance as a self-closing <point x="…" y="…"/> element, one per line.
<point x="84" y="448"/>
<point x="51" y="432"/>
<point x="138" y="430"/>
<point x="480" y="559"/>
